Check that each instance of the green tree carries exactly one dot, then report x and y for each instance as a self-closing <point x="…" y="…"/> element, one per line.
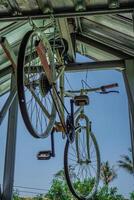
<point x="126" y="163"/>
<point x="108" y="173"/>
<point x="60" y="175"/>
<point x="59" y="191"/>
<point x="132" y="196"/>
<point x="16" y="195"/>
<point x="107" y="193"/>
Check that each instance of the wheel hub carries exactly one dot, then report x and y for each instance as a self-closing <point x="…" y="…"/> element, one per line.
<point x="44" y="85"/>
<point x="85" y="162"/>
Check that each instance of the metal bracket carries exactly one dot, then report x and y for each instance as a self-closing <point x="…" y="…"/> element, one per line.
<point x="113" y="4"/>
<point x="45" y="8"/>
<point x="80" y="5"/>
<point x="14" y="7"/>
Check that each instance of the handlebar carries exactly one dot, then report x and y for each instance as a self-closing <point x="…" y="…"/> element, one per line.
<point x="104" y="87"/>
<point x="101" y="90"/>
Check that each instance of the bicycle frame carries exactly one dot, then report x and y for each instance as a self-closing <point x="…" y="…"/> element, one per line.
<point x="50" y="72"/>
<point x="52" y="78"/>
<point x="78" y="115"/>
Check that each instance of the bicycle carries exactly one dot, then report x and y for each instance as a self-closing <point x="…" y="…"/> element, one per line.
<point x="81" y="155"/>
<point x="39" y="68"/>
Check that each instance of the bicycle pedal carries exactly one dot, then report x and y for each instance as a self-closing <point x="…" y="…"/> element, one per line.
<point x="81" y="100"/>
<point x="44" y="155"/>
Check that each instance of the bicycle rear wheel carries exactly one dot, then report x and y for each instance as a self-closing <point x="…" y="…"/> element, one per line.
<point x="82" y="176"/>
<point x="36" y="104"/>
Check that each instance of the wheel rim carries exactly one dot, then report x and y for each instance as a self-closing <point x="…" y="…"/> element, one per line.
<point x="37" y="108"/>
<point x="82" y="178"/>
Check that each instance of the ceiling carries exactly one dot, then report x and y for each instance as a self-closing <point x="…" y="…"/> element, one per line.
<point x="100" y="29"/>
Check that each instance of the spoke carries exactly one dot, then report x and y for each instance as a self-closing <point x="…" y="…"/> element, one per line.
<point x="86" y="172"/>
<point x="93" y="169"/>
<point x="74" y="165"/>
<point x="80" y="145"/>
<point x="82" y="173"/>
<point x="29" y="103"/>
<point x="84" y="145"/>
<point x="78" y="171"/>
<point x="89" y="172"/>
<point x="41" y="120"/>
<point x="92" y="153"/>
<point x="40" y="103"/>
<point x="32" y="107"/>
<point x="38" y="116"/>
<point x="47" y="109"/>
<point x="93" y="161"/>
<point x="73" y="149"/>
<point x="72" y="155"/>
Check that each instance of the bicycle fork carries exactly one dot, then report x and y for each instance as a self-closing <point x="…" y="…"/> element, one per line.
<point x="83" y="159"/>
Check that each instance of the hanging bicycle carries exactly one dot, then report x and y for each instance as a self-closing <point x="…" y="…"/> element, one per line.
<point x="40" y="67"/>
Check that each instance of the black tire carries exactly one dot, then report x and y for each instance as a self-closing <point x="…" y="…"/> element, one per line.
<point x="31" y="124"/>
<point x="67" y="172"/>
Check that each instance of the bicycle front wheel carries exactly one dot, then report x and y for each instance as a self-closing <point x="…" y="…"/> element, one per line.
<point x="35" y="100"/>
<point x="82" y="176"/>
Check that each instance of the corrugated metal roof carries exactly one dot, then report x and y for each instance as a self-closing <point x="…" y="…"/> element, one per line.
<point x="101" y="37"/>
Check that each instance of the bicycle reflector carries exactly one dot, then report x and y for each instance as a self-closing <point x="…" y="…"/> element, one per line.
<point x="81" y="100"/>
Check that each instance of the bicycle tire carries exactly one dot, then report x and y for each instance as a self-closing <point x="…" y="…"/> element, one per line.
<point x="22" y="96"/>
<point x="67" y="176"/>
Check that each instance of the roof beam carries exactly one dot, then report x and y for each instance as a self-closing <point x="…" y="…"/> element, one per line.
<point x="70" y="12"/>
<point x="109" y="41"/>
<point x="73" y="67"/>
<point x="101" y="46"/>
<point x="103" y="65"/>
<point x="5" y="71"/>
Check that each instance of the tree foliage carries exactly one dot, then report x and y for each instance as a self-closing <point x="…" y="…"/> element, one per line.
<point x="132" y="196"/>
<point x="126" y="163"/>
<point x="59" y="191"/>
<point x="107" y="193"/>
<point x="108" y="173"/>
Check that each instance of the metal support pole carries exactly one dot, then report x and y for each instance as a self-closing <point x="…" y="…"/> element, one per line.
<point x="10" y="147"/>
<point x="128" y="76"/>
<point x="7" y="104"/>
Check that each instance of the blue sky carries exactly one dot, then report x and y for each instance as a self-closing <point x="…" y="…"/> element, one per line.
<point x="110" y="124"/>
